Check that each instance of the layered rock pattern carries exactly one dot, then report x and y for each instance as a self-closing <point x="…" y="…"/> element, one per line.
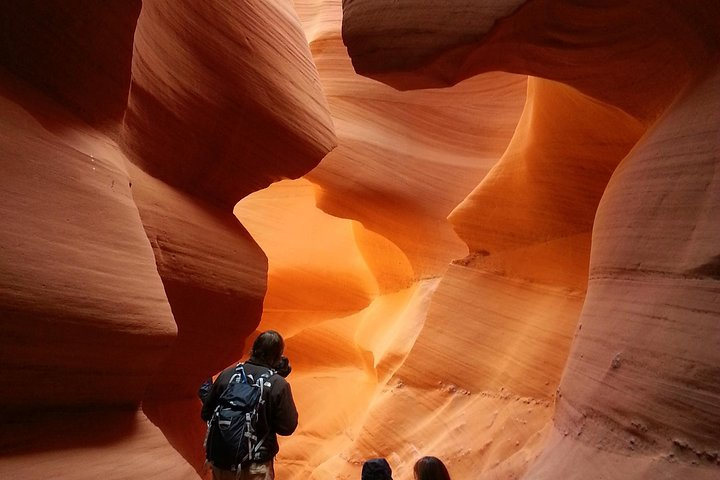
<point x="76" y="52"/>
<point x="636" y="398"/>
<point x="516" y="272"/>
<point x="71" y="312"/>
<point x="346" y="348"/>
<point x="224" y="92"/>
<point x="126" y="279"/>
<point x="641" y="385"/>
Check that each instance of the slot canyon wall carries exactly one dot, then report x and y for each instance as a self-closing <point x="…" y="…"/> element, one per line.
<point x="126" y="279"/>
<point x="487" y="230"/>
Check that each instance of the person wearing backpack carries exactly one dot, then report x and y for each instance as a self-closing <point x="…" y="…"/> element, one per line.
<point x="247" y="406"/>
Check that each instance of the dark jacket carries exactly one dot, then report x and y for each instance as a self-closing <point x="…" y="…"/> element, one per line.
<point x="278" y="417"/>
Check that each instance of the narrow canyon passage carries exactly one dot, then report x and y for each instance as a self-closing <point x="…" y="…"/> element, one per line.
<point x="487" y="231"/>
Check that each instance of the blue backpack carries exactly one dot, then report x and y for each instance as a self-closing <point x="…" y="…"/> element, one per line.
<point x="232" y="438"/>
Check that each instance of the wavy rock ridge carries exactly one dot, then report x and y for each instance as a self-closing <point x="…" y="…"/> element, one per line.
<point x="126" y="279"/>
<point x="609" y="126"/>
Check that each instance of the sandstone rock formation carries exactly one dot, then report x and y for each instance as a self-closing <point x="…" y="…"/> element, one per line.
<point x="126" y="279"/>
<point x="503" y="251"/>
<point x="633" y="126"/>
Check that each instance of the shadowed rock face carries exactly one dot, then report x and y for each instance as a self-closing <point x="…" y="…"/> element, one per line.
<point x="82" y="300"/>
<point x="516" y="274"/>
<point x="74" y="51"/>
<point x="125" y="278"/>
<point x="224" y="93"/>
<point x="635" y="55"/>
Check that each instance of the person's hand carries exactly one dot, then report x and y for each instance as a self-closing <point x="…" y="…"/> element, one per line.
<point x="283" y="367"/>
<point x="204" y="389"/>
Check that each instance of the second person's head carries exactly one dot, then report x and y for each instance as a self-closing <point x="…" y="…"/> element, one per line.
<point x="430" y="468"/>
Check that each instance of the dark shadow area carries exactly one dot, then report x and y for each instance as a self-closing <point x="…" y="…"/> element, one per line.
<point x="65" y="429"/>
<point x="79" y="52"/>
<point x="709" y="269"/>
<point x="180" y="422"/>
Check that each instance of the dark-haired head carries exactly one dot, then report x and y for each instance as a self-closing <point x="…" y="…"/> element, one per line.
<point x="267" y="348"/>
<point x="376" y="469"/>
<point x="430" y="468"/>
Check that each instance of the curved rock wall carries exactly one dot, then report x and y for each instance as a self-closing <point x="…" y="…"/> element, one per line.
<point x="517" y="274"/>
<point x="221" y="92"/>
<point x="78" y="276"/>
<point x="85" y="320"/>
<point x="637" y="397"/>
<point x="76" y="52"/>
<point x="125" y="277"/>
<point x="224" y="100"/>
<point x="408" y="155"/>
<point x="635" y="55"/>
<point x="641" y="384"/>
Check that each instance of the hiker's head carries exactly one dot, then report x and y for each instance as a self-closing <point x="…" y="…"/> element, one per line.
<point x="376" y="469"/>
<point x="430" y="468"/>
<point x="268" y="348"/>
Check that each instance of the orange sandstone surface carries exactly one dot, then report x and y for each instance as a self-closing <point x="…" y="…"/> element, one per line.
<point x="487" y="230"/>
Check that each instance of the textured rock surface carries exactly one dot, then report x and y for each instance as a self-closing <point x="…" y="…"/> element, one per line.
<point x="619" y="53"/>
<point x="125" y="277"/>
<point x="413" y="156"/>
<point x="82" y="303"/>
<point x="517" y="274"/>
<point x="224" y="93"/>
<point x="85" y="320"/>
<point x="641" y="384"/>
<point x="638" y="397"/>
<point x="76" y="52"/>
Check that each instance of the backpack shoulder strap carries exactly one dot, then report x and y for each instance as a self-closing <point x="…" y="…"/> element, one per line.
<point x="264" y="379"/>
<point x="263" y="384"/>
<point x="239" y="374"/>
